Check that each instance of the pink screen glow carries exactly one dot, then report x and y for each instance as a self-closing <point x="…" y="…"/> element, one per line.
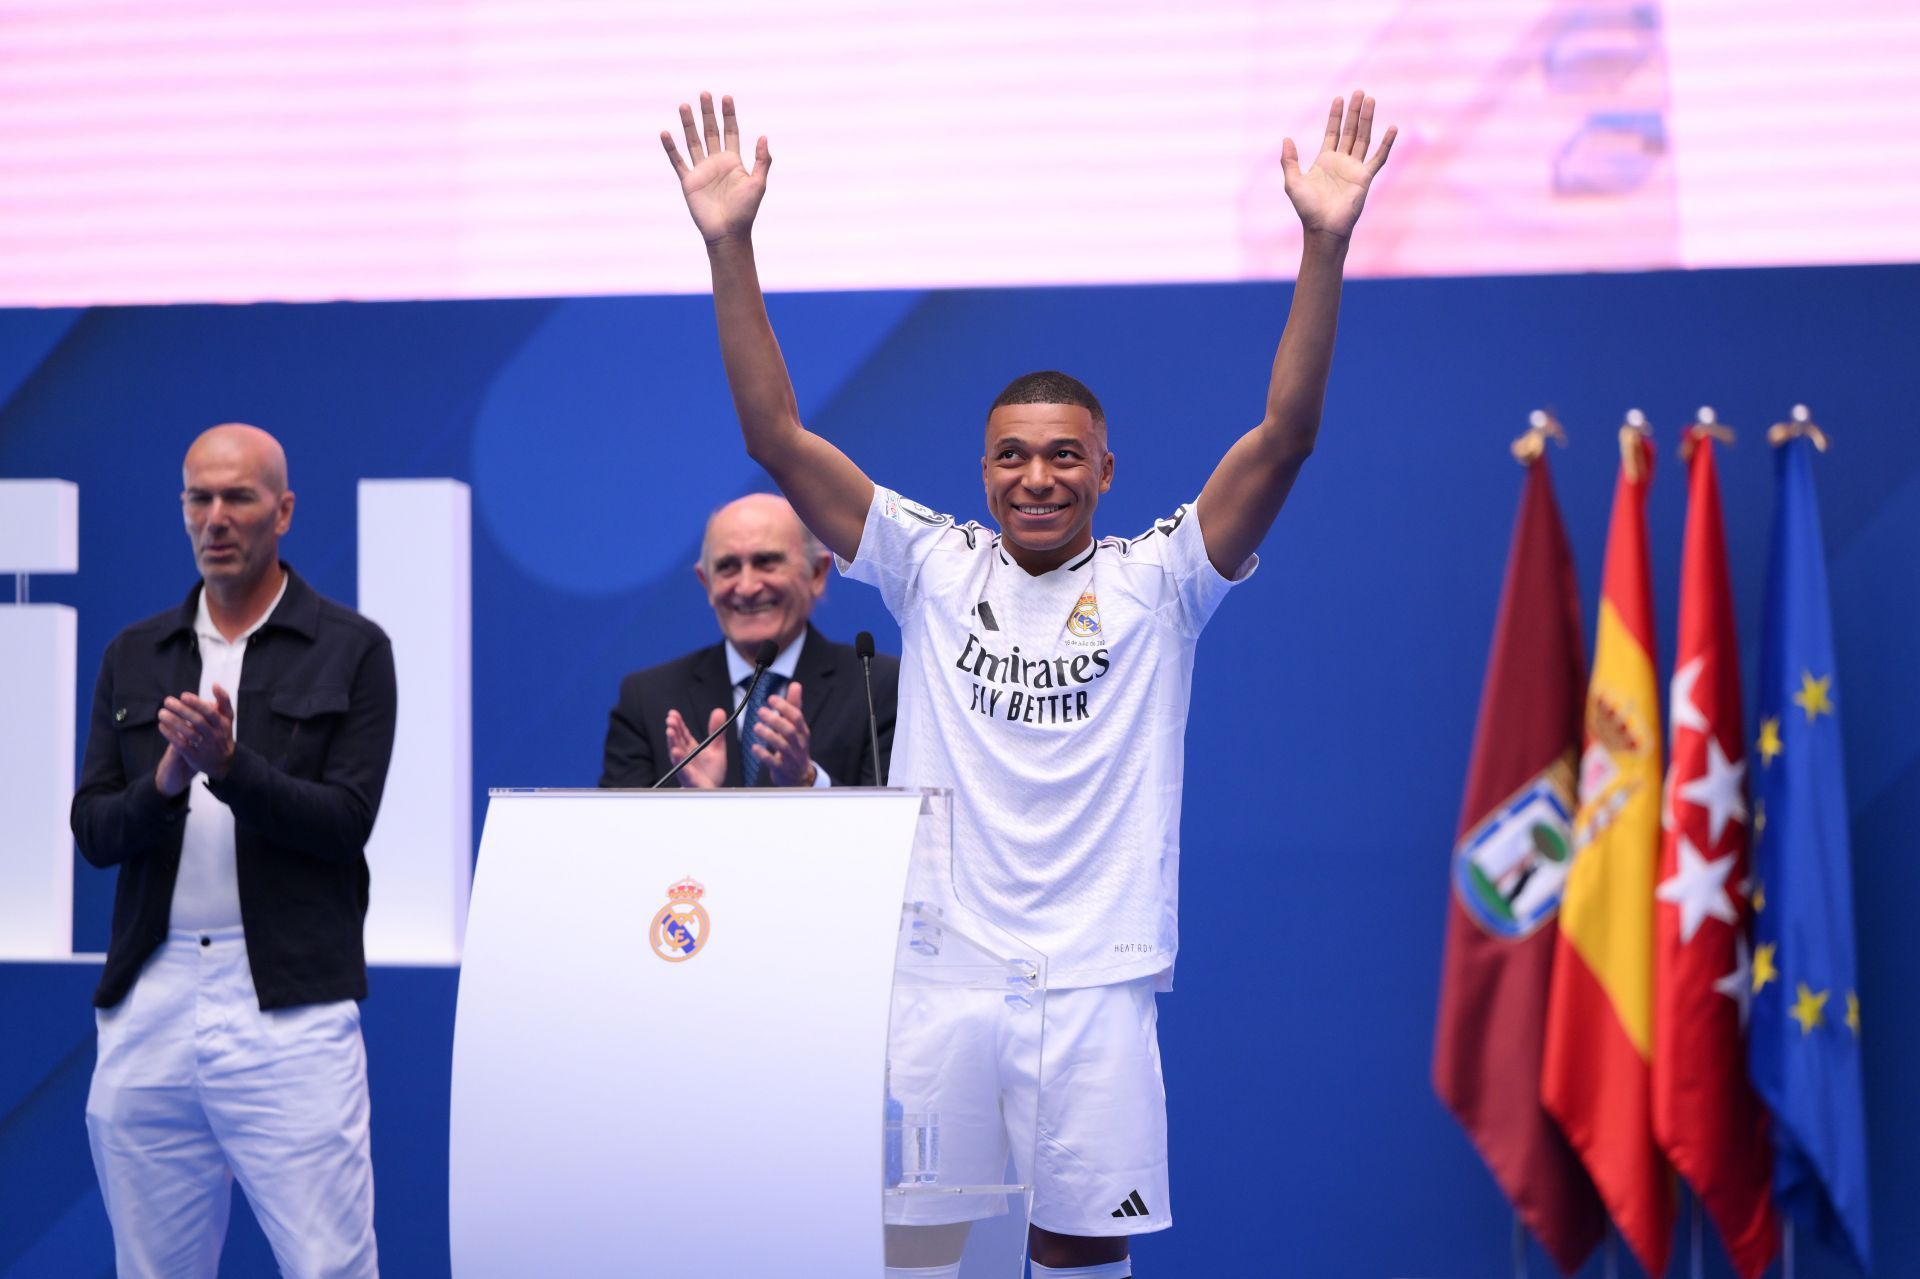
<point x="204" y="150"/>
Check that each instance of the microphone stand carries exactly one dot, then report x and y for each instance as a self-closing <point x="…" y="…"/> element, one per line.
<point x="762" y="660"/>
<point x="863" y="647"/>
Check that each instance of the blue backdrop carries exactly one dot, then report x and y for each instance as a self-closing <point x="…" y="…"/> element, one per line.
<point x="1332" y="707"/>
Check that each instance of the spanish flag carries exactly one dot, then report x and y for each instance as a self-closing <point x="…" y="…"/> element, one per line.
<point x="1596" y="1071"/>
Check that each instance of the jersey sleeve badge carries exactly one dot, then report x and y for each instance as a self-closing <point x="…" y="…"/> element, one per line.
<point x="904" y="510"/>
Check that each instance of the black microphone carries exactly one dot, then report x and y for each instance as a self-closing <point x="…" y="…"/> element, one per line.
<point x="761" y="660"/>
<point x="863" y="649"/>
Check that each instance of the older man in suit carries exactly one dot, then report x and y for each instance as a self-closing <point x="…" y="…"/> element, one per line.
<point x="763" y="573"/>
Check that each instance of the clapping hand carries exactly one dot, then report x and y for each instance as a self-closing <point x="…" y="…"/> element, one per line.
<point x="709" y="768"/>
<point x="199" y="737"/>
<point x="785" y="745"/>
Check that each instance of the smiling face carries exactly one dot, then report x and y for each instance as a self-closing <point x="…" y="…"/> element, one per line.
<point x="236" y="506"/>
<point x="1046" y="466"/>
<point x="759" y="575"/>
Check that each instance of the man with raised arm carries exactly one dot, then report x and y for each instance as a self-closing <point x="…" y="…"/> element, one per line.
<point x="1045" y="678"/>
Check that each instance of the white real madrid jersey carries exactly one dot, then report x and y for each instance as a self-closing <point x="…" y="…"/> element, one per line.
<point x="1055" y="708"/>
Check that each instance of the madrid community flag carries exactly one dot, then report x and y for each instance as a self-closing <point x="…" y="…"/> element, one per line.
<point x="1509" y="864"/>
<point x="1596" y="1077"/>
<point x="1805" y="1043"/>
<point x="1706" y="1115"/>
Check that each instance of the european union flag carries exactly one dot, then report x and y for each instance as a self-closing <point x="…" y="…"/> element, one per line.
<point x="1804" y="1044"/>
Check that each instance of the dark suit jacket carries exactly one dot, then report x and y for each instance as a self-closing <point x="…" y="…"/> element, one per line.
<point x="834" y="700"/>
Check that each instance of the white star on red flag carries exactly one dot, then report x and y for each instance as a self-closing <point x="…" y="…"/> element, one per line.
<point x="1718" y="789"/>
<point x="1699" y="888"/>
<point x="1738" y="984"/>
<point x="1682" y="710"/>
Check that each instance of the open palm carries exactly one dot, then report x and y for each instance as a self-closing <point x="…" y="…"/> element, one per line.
<point x="1329" y="196"/>
<point x="721" y="194"/>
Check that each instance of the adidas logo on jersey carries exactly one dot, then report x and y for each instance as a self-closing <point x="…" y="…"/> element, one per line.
<point x="1132" y="1206"/>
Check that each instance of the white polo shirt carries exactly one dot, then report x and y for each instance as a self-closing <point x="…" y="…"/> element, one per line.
<point x="207" y="893"/>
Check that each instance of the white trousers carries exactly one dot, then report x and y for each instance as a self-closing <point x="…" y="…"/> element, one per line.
<point x="195" y="1086"/>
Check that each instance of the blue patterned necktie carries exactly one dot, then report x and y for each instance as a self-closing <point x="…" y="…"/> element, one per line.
<point x="750" y="764"/>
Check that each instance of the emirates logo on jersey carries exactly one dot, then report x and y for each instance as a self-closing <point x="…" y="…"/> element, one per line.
<point x="1057" y="671"/>
<point x="1044" y="690"/>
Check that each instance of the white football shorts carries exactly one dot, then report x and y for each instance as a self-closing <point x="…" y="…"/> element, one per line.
<point x="1090" y="1132"/>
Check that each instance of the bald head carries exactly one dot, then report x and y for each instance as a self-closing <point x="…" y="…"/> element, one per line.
<point x="768" y="512"/>
<point x="239" y="448"/>
<point x="237" y="506"/>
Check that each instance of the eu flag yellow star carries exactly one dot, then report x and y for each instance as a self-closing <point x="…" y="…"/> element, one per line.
<point x="1853" y="1014"/>
<point x="1769" y="744"/>
<point x="1764" y="969"/>
<point x="1813" y="695"/>
<point x="1809" y="1009"/>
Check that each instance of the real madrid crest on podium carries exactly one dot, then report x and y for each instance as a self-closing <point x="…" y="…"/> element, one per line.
<point x="681" y="927"/>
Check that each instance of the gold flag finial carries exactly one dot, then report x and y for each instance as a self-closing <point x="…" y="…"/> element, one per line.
<point x="1541" y="423"/>
<point x="1706" y="425"/>
<point x="1800" y="422"/>
<point x="1632" y="457"/>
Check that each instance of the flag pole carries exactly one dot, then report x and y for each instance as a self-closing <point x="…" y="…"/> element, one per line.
<point x="1611" y="1266"/>
<point x="1697" y="1260"/>
<point x="1705" y="424"/>
<point x="1541" y="425"/>
<point x="1800" y="422"/>
<point x="1519" y="1246"/>
<point x="1632" y="431"/>
<point x="1786" y="1250"/>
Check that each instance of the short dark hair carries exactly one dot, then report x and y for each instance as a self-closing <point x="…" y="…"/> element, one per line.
<point x="1050" y="386"/>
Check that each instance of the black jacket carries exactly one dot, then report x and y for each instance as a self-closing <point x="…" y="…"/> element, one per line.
<point x="316" y="711"/>
<point x="834" y="699"/>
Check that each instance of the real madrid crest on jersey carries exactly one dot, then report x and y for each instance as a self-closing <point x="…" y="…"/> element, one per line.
<point x="1084" y="621"/>
<point x="1509" y="872"/>
<point x="681" y="927"/>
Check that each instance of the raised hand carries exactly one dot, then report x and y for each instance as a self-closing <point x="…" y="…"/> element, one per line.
<point x="1328" y="197"/>
<point x="709" y="769"/>
<point x="721" y="195"/>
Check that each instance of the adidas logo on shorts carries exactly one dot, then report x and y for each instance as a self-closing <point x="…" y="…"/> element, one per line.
<point x="1133" y="1206"/>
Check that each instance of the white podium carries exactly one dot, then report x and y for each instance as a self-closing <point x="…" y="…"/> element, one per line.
<point x="672" y="1048"/>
